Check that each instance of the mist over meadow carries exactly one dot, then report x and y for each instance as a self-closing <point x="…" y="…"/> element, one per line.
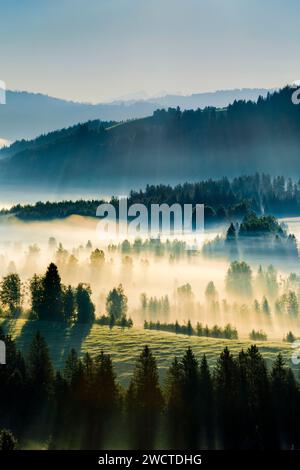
<point x="163" y="281"/>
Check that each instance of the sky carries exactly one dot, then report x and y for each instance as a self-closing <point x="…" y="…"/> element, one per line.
<point x="99" y="50"/>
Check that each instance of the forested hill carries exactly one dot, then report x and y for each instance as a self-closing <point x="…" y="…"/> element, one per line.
<point x="223" y="199"/>
<point x="52" y="137"/>
<point x="168" y="146"/>
<point x="27" y="115"/>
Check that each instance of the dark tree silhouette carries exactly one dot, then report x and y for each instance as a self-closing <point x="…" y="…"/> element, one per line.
<point x="206" y="404"/>
<point x="175" y="405"/>
<point x="40" y="367"/>
<point x="144" y="400"/>
<point x="241" y="405"/>
<point x="69" y="305"/>
<point x="190" y="390"/>
<point x="227" y="395"/>
<point x="37" y="296"/>
<point x="52" y="308"/>
<point x="85" y="306"/>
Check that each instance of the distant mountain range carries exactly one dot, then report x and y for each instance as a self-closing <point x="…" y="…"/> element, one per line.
<point x="168" y="146"/>
<point x="27" y="115"/>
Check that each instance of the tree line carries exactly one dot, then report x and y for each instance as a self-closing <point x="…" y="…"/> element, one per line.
<point x="228" y="332"/>
<point x="255" y="235"/>
<point x="51" y="300"/>
<point x="223" y="198"/>
<point x="237" y="404"/>
<point x="211" y="141"/>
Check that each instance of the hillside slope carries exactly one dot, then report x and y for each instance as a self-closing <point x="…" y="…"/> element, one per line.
<point x="125" y="345"/>
<point x="26" y="115"/>
<point x="168" y="146"/>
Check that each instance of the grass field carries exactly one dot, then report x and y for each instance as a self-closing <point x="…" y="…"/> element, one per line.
<point x="125" y="345"/>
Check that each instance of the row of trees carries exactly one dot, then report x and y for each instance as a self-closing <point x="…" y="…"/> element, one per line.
<point x="228" y="332"/>
<point x="239" y="282"/>
<point x="49" y="298"/>
<point x="52" y="301"/>
<point x="241" y="285"/>
<point x="237" y="404"/>
<point x="223" y="198"/>
<point x="155" y="305"/>
<point x="226" y="198"/>
<point x="255" y="235"/>
<point x="258" y="336"/>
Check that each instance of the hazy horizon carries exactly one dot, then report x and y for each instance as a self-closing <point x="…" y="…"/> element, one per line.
<point x="66" y="50"/>
<point x="142" y="95"/>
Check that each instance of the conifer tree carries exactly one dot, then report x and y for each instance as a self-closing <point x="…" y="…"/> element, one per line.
<point x="85" y="306"/>
<point x="69" y="305"/>
<point x="174" y="404"/>
<point x="190" y="391"/>
<point x="226" y="394"/>
<point x="52" y="308"/>
<point x="40" y="367"/>
<point x="37" y="296"/>
<point x="206" y="403"/>
<point x="147" y="396"/>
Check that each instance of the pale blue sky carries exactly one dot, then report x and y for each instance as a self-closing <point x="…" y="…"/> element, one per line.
<point x="92" y="50"/>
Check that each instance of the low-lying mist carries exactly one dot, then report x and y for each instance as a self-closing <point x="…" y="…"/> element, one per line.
<point x="163" y="282"/>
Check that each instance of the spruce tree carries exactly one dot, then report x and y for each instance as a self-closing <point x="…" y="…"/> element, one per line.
<point x="52" y="296"/>
<point x="206" y="403"/>
<point x="147" y="396"/>
<point x="37" y="297"/>
<point x="41" y="374"/>
<point x="190" y="390"/>
<point x="175" y="406"/>
<point x="69" y="305"/>
<point x="226" y="395"/>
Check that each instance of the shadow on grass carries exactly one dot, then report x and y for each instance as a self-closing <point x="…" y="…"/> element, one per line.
<point x="9" y="323"/>
<point x="77" y="334"/>
<point x="60" y="338"/>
